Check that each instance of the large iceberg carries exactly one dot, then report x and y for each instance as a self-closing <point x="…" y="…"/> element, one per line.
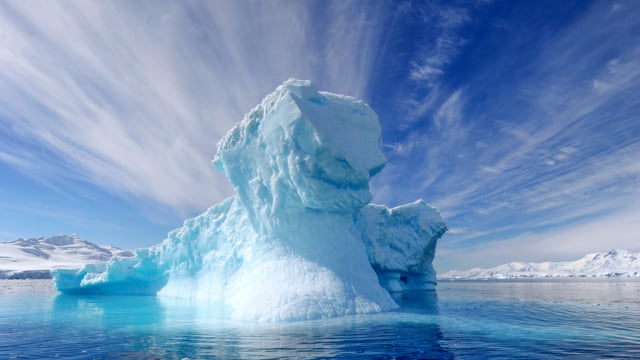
<point x="299" y="240"/>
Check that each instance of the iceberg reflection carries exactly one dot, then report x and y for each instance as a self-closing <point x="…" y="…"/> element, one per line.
<point x="147" y="327"/>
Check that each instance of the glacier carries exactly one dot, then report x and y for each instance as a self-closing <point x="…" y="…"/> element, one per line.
<point x="300" y="239"/>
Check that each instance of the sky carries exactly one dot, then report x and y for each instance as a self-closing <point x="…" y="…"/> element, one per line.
<point x="518" y="120"/>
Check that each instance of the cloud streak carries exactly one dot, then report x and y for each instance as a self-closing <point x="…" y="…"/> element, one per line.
<point x="512" y="125"/>
<point x="557" y="147"/>
<point x="132" y="97"/>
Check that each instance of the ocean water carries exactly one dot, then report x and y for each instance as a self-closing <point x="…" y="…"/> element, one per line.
<point x="581" y="319"/>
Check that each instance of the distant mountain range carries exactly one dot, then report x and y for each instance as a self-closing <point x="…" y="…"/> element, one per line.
<point x="615" y="263"/>
<point x="34" y="258"/>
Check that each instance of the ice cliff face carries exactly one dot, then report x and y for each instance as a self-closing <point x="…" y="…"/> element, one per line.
<point x="299" y="240"/>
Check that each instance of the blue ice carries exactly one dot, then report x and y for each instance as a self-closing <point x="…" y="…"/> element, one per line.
<point x="300" y="239"/>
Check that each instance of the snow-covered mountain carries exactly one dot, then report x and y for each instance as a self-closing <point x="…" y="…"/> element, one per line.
<point x="615" y="263"/>
<point x="33" y="258"/>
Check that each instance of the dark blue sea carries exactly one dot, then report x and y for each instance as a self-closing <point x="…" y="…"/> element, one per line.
<point x="533" y="319"/>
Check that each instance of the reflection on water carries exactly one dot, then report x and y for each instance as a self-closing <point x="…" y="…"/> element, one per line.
<point x="580" y="290"/>
<point x="590" y="318"/>
<point x="461" y="320"/>
<point x="147" y="327"/>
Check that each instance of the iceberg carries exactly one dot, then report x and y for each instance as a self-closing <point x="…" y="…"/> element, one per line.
<point x="300" y="239"/>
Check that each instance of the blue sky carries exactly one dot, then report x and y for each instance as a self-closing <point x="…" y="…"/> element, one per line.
<point x="519" y="120"/>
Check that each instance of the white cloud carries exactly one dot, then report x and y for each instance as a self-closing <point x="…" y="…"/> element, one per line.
<point x="133" y="96"/>
<point x="441" y="47"/>
<point x="446" y="46"/>
<point x="425" y="72"/>
<point x="539" y="153"/>
<point x="449" y="114"/>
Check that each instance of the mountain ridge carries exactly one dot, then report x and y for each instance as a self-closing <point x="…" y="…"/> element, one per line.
<point x="614" y="263"/>
<point x="35" y="257"/>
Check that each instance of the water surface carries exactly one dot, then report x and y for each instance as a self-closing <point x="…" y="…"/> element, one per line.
<point x="462" y="320"/>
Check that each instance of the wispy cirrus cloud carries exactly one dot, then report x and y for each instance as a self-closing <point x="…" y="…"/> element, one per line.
<point x="554" y="148"/>
<point x="511" y="122"/>
<point x="132" y="97"/>
<point x="430" y="123"/>
<point x="438" y="50"/>
<point x="430" y="65"/>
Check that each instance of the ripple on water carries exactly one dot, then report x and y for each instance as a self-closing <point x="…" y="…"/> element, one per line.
<point x="462" y="320"/>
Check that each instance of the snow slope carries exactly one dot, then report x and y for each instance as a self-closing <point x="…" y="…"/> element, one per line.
<point x="35" y="257"/>
<point x="615" y="263"/>
<point x="299" y="240"/>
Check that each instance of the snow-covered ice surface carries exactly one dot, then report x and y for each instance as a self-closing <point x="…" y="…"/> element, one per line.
<point x="615" y="263"/>
<point x="35" y="257"/>
<point x="299" y="240"/>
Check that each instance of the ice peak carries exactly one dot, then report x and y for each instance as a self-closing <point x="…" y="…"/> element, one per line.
<point x="302" y="89"/>
<point x="615" y="252"/>
<point x="296" y="153"/>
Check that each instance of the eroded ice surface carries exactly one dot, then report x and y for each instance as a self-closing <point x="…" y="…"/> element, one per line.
<point x="299" y="240"/>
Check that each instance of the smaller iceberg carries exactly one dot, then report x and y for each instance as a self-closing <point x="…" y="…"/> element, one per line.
<point x="299" y="240"/>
